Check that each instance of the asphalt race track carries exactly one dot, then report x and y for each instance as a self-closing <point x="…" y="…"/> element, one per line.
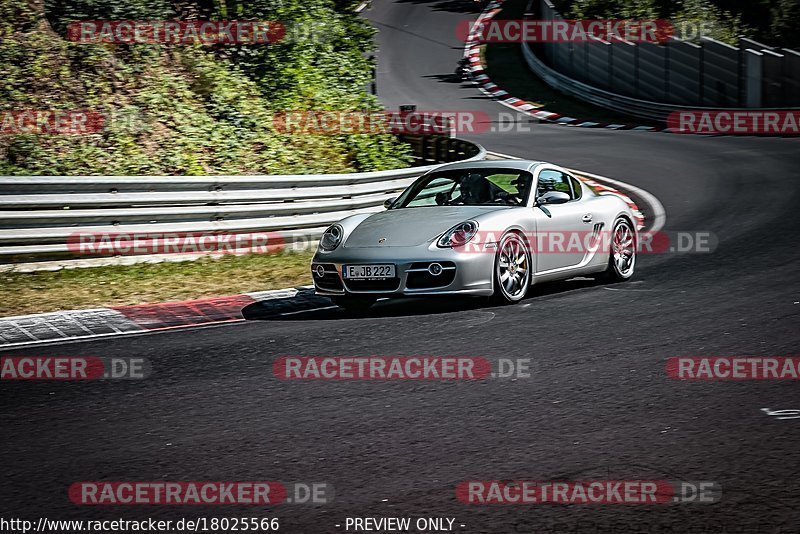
<point x="598" y="403"/>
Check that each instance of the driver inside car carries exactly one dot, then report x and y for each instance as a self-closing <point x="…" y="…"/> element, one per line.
<point x="523" y="186"/>
<point x="475" y="190"/>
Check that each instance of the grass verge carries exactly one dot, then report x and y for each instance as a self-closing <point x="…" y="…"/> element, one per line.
<point x="74" y="289"/>
<point x="505" y="65"/>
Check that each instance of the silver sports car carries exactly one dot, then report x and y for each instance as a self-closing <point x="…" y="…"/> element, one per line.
<point x="490" y="228"/>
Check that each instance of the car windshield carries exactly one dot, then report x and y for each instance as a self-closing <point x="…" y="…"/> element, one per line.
<point x="469" y="187"/>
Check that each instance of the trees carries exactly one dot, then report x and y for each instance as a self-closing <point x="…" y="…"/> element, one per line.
<point x="174" y="109"/>
<point x="785" y="21"/>
<point x="773" y="22"/>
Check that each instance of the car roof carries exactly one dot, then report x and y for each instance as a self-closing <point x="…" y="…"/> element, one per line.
<point x="516" y="164"/>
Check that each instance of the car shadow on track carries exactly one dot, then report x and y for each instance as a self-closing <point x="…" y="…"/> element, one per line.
<point x="306" y="306"/>
<point x="448" y="78"/>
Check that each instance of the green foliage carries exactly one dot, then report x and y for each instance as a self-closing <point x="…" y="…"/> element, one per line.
<point x="773" y="22"/>
<point x="188" y="109"/>
<point x="785" y="23"/>
<point x="720" y="25"/>
<point x="613" y="9"/>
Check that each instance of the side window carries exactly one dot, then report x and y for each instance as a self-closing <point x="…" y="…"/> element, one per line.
<point x="576" y="188"/>
<point x="552" y="180"/>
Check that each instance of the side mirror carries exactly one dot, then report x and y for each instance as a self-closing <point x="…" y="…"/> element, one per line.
<point x="553" y="197"/>
<point x="389" y="202"/>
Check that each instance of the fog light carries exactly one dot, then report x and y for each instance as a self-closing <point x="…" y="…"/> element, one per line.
<point x="435" y="269"/>
<point x="319" y="270"/>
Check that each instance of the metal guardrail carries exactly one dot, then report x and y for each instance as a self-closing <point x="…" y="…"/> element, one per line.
<point x="38" y="214"/>
<point x="616" y="75"/>
<point x="634" y="107"/>
<point x="605" y="99"/>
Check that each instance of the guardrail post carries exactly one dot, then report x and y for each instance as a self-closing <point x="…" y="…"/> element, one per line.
<point x="701" y="67"/>
<point x="442" y="146"/>
<point x="753" y="74"/>
<point x="791" y="77"/>
<point x="714" y="74"/>
<point x="667" y="92"/>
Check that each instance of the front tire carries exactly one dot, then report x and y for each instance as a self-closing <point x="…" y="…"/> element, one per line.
<point x="354" y="304"/>
<point x="622" y="256"/>
<point x="512" y="269"/>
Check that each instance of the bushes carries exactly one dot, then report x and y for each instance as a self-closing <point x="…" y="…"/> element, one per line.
<point x="187" y="109"/>
<point x="772" y="22"/>
<point x="723" y="25"/>
<point x="784" y="24"/>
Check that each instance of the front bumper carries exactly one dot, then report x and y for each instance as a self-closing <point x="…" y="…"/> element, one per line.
<point x="463" y="273"/>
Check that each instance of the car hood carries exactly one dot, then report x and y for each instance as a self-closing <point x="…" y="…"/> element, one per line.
<point x="408" y="227"/>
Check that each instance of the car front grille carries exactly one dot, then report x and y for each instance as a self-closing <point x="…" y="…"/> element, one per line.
<point x="390" y="284"/>
<point x="419" y="277"/>
<point x="330" y="281"/>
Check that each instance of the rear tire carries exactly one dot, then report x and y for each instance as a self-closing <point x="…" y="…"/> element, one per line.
<point x="512" y="269"/>
<point x="622" y="256"/>
<point x="354" y="304"/>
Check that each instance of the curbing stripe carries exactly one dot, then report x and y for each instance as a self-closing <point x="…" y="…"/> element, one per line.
<point x="64" y="325"/>
<point x="28" y="330"/>
<point x="482" y="81"/>
<point x="187" y="312"/>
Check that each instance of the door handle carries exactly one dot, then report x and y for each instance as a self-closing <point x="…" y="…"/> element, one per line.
<point x="587" y="218"/>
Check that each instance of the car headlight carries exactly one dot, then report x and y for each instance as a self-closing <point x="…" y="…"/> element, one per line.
<point x="331" y="238"/>
<point x="459" y="235"/>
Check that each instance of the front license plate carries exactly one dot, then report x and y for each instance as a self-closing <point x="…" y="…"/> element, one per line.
<point x="369" y="272"/>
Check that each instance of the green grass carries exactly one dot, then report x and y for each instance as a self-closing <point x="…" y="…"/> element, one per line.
<point x="72" y="289"/>
<point x="506" y="67"/>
